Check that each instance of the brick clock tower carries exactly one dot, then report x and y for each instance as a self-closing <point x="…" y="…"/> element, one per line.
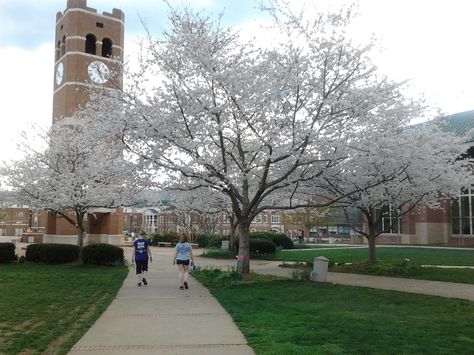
<point x="88" y="49"/>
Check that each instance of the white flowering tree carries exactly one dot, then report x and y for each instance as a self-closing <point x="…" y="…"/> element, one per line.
<point x="405" y="169"/>
<point x="80" y="168"/>
<point x="209" y="109"/>
<point x="201" y="208"/>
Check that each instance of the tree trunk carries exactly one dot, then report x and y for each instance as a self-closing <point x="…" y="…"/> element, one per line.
<point x="80" y="233"/>
<point x="232" y="238"/>
<point x="243" y="261"/>
<point x="371" y="238"/>
<point x="372" y="255"/>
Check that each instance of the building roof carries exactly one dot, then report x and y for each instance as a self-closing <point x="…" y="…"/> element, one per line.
<point x="458" y="123"/>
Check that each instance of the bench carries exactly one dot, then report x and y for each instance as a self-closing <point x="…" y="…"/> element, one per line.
<point x="164" y="244"/>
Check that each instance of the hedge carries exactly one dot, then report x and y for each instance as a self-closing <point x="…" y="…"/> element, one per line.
<point x="210" y="240"/>
<point x="260" y="247"/>
<point x="7" y="252"/>
<point x="171" y="237"/>
<point x="52" y="253"/>
<point x="102" y="254"/>
<point x="279" y="239"/>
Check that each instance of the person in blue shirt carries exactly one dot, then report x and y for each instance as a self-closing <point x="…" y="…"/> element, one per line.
<point x="141" y="255"/>
<point x="184" y="252"/>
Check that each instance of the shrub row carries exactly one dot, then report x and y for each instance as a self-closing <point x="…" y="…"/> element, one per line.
<point x="52" y="253"/>
<point x="210" y="240"/>
<point x="94" y="254"/>
<point x="260" y="247"/>
<point x="170" y="237"/>
<point x="7" y="252"/>
<point x="279" y="239"/>
<point x="102" y="254"/>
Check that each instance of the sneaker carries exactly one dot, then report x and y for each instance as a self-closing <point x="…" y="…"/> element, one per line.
<point x="145" y="281"/>
<point x="186" y="285"/>
<point x="181" y="287"/>
<point x="139" y="284"/>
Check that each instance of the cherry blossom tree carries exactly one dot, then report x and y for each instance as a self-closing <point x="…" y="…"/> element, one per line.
<point x="210" y="109"/>
<point x="405" y="169"/>
<point x="79" y="168"/>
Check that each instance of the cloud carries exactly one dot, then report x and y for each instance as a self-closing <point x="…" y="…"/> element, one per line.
<point x="26" y="90"/>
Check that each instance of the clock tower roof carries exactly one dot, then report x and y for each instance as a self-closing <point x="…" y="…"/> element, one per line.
<point x="82" y="4"/>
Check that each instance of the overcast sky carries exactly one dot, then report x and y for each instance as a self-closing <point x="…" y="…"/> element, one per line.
<point x="429" y="42"/>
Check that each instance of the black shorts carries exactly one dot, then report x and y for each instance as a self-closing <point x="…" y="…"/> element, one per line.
<point x="141" y="266"/>
<point x="184" y="262"/>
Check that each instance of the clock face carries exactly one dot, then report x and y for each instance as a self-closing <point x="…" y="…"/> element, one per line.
<point x="98" y="72"/>
<point x="59" y="73"/>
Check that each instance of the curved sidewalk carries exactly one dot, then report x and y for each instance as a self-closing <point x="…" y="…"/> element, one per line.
<point x="161" y="319"/>
<point x="436" y="288"/>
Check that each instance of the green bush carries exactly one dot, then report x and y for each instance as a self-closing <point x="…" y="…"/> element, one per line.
<point x="210" y="240"/>
<point x="32" y="253"/>
<point x="259" y="247"/>
<point x="279" y="239"/>
<point x="52" y="253"/>
<point x="218" y="254"/>
<point x="170" y="237"/>
<point x="102" y="254"/>
<point x="404" y="268"/>
<point x="215" y="241"/>
<point x="218" y="278"/>
<point x="301" y="275"/>
<point x="7" y="252"/>
<point x="202" y="240"/>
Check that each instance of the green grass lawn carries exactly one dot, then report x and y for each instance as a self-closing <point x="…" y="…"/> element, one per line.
<point x="47" y="308"/>
<point x="289" y="317"/>
<point x="389" y="258"/>
<point x="421" y="256"/>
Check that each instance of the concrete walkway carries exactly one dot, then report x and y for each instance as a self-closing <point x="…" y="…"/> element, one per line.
<point x="161" y="319"/>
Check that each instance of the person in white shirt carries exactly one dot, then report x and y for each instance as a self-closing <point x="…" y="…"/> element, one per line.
<point x="182" y="256"/>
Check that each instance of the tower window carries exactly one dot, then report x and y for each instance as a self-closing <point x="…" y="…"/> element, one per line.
<point x="58" y="50"/>
<point x="90" y="43"/>
<point x="106" y="47"/>
<point x="99" y="24"/>
<point x="61" y="27"/>
<point x="63" y="46"/>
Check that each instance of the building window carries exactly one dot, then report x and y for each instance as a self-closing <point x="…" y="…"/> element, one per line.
<point x="19" y="214"/>
<point x="258" y="219"/>
<point x="90" y="43"/>
<point x="264" y="219"/>
<point x="462" y="218"/>
<point x="390" y="221"/>
<point x="99" y="24"/>
<point x="63" y="46"/>
<point x="276" y="219"/>
<point x="58" y="50"/>
<point x="343" y="229"/>
<point x="106" y="48"/>
<point x="3" y="231"/>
